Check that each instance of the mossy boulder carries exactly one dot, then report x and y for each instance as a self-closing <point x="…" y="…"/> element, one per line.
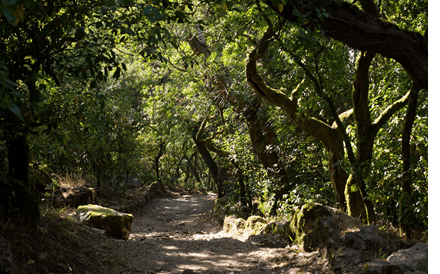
<point x="233" y="224"/>
<point x="279" y="227"/>
<point x="255" y="224"/>
<point x="117" y="224"/>
<point x="313" y="227"/>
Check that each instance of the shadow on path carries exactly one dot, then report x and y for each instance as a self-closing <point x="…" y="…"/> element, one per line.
<point x="171" y="236"/>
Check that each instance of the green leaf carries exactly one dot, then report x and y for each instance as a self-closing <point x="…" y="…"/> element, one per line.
<point x="149" y="10"/>
<point x="16" y="110"/>
<point x="9" y="16"/>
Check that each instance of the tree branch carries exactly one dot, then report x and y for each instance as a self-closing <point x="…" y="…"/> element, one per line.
<point x="361" y="31"/>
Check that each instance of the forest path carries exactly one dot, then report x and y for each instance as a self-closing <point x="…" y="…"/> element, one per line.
<point x="173" y="236"/>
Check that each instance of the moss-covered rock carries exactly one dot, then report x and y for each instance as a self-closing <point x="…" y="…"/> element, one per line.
<point x="233" y="224"/>
<point x="279" y="227"/>
<point x="313" y="227"/>
<point x="117" y="224"/>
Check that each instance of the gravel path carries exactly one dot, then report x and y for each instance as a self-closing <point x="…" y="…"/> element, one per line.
<point x="173" y="236"/>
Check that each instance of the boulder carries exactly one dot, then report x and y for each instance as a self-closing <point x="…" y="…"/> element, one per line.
<point x="278" y="227"/>
<point x="415" y="258"/>
<point x="383" y="267"/>
<point x="40" y="179"/>
<point x="349" y="246"/>
<point x="233" y="224"/>
<point x="368" y="239"/>
<point x="156" y="189"/>
<point x="347" y="260"/>
<point x="117" y="224"/>
<point x="74" y="196"/>
<point x="7" y="265"/>
<point x="314" y="227"/>
<point x="328" y="237"/>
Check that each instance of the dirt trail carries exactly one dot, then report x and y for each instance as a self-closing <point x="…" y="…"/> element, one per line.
<point x="173" y="236"/>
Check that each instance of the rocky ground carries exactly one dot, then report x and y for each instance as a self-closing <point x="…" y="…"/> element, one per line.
<point x="172" y="233"/>
<point x="177" y="236"/>
<point x="169" y="235"/>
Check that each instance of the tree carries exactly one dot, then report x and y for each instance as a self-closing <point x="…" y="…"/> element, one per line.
<point x="366" y="131"/>
<point x="363" y="31"/>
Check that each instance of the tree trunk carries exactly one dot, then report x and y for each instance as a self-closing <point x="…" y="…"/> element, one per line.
<point x="19" y="201"/>
<point x="330" y="136"/>
<point x="193" y="169"/>
<point x="162" y="147"/>
<point x="405" y="200"/>
<point x="261" y="140"/>
<point x="18" y="157"/>
<point x="212" y="166"/>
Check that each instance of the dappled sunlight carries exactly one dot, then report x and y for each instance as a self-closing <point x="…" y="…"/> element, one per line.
<point x="172" y="235"/>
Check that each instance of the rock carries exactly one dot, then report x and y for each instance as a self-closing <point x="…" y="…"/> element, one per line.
<point x="233" y="223"/>
<point x="255" y="225"/>
<point x="278" y="227"/>
<point x="375" y="267"/>
<point x="41" y="179"/>
<point x="347" y="260"/>
<point x="305" y="225"/>
<point x="188" y="271"/>
<point x="319" y="227"/>
<point x="156" y="189"/>
<point x="117" y="224"/>
<point x="367" y="240"/>
<point x="415" y="258"/>
<point x="74" y="196"/>
<point x="383" y="267"/>
<point x="328" y="237"/>
<point x="7" y="265"/>
<point x="344" y="221"/>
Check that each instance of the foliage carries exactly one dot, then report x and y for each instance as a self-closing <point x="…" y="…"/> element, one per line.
<point x="107" y="88"/>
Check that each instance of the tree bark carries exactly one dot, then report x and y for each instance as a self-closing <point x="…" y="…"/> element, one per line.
<point x="212" y="166"/>
<point x="18" y="157"/>
<point x="405" y="201"/>
<point x="330" y="136"/>
<point x="260" y="138"/>
<point x="361" y="31"/>
<point x="162" y="147"/>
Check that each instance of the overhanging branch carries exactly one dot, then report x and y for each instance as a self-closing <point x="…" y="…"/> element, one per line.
<point x="359" y="30"/>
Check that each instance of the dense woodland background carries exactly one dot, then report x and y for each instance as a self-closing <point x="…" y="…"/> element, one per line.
<point x="271" y="104"/>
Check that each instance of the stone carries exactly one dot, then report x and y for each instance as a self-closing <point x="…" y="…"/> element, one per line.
<point x="415" y="258"/>
<point x="375" y="267"/>
<point x="74" y="196"/>
<point x="41" y="180"/>
<point x="156" y="189"/>
<point x="328" y="237"/>
<point x="233" y="223"/>
<point x="347" y="260"/>
<point x="117" y="224"/>
<point x="304" y="225"/>
<point x="7" y="264"/>
<point x="368" y="239"/>
<point x="188" y="271"/>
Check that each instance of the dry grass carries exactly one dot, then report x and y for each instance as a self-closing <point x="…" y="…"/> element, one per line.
<point x="70" y="180"/>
